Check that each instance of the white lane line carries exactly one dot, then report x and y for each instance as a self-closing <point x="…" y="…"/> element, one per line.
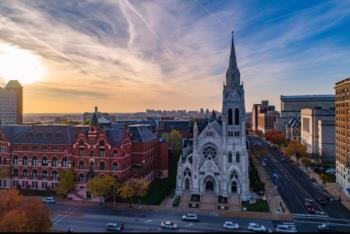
<point x="309" y="215"/>
<point x="148" y="221"/>
<point x="67" y="212"/>
<point x="190" y="224"/>
<point x="339" y="224"/>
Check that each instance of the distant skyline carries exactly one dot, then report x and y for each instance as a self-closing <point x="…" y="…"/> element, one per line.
<point x="133" y="55"/>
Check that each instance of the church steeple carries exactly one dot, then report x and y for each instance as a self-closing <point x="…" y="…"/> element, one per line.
<point x="232" y="74"/>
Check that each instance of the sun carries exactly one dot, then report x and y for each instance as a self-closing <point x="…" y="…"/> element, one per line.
<point x="20" y="64"/>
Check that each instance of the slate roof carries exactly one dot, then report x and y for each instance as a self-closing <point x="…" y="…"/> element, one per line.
<point x="168" y="125"/>
<point x="141" y="133"/>
<point x="11" y="131"/>
<point x="116" y="136"/>
<point x="217" y="127"/>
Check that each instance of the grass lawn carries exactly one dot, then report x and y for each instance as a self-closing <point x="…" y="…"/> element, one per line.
<point x="260" y="206"/>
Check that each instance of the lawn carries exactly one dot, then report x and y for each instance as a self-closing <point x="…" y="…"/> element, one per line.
<point x="259" y="206"/>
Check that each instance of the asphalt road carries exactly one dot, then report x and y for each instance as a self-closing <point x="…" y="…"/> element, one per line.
<point x="295" y="186"/>
<point x="94" y="219"/>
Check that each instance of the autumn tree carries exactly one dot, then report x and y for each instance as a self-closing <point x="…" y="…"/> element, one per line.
<point x="101" y="186"/>
<point x="14" y="221"/>
<point x="276" y="137"/>
<point x="38" y="216"/>
<point x="295" y="148"/>
<point x="175" y="143"/>
<point x="9" y="200"/>
<point x="66" y="183"/>
<point x="132" y="189"/>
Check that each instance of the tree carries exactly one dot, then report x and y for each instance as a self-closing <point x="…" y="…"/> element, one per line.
<point x="102" y="186"/>
<point x="295" y="148"/>
<point x="14" y="221"/>
<point x="9" y="200"/>
<point x="38" y="216"/>
<point x="66" y="183"/>
<point x="276" y="137"/>
<point x="175" y="143"/>
<point x="133" y="188"/>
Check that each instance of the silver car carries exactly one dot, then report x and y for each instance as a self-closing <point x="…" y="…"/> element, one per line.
<point x="286" y="228"/>
<point x="49" y="200"/>
<point x="190" y="217"/>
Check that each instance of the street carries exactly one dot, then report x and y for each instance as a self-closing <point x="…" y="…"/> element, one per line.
<point x="295" y="186"/>
<point x="94" y="219"/>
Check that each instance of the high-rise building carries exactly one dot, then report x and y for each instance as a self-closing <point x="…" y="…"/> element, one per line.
<point x="342" y="126"/>
<point x="263" y="107"/>
<point x="11" y="103"/>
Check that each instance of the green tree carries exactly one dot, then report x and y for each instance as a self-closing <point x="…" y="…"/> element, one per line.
<point x="133" y="188"/>
<point x="295" y="148"/>
<point x="66" y="183"/>
<point x="175" y="143"/>
<point x="101" y="186"/>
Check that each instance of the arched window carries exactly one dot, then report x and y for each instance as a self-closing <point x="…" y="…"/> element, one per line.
<point x="64" y="162"/>
<point x="115" y="166"/>
<point x="15" y="160"/>
<point x="25" y="173"/>
<point x="91" y="153"/>
<point x="102" y="165"/>
<point x="15" y="172"/>
<point x="81" y="165"/>
<point x="115" y="154"/>
<point x="81" y="143"/>
<point x="35" y="174"/>
<point x="92" y="165"/>
<point x="25" y="160"/>
<point x="44" y="174"/>
<point x="44" y="161"/>
<point x="35" y="161"/>
<point x="81" y="178"/>
<point x="230" y="157"/>
<point x="230" y="117"/>
<point x="54" y="175"/>
<point x="236" y="116"/>
<point x="54" y="162"/>
<point x="237" y="157"/>
<point x="102" y="149"/>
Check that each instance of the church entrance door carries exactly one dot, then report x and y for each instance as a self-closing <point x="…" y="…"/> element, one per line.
<point x="187" y="184"/>
<point x="234" y="187"/>
<point x="209" y="186"/>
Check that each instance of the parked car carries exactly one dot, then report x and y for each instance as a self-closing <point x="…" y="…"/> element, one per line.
<point x="286" y="228"/>
<point x="321" y="201"/>
<point x="331" y="171"/>
<point x="168" y="225"/>
<point x="309" y="208"/>
<point x="113" y="227"/>
<point x="230" y="225"/>
<point x="49" y="200"/>
<point x="327" y="228"/>
<point x="256" y="227"/>
<point x="190" y="217"/>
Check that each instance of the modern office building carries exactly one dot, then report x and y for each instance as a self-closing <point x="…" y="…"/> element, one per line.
<point x="267" y="120"/>
<point x="263" y="107"/>
<point x="11" y="103"/>
<point x="342" y="126"/>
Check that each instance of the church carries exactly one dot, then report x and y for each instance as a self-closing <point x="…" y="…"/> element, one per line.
<point x="216" y="159"/>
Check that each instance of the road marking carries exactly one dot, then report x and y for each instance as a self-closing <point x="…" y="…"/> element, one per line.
<point x="148" y="221"/>
<point x="66" y="213"/>
<point x="339" y="224"/>
<point x="190" y="224"/>
<point x="310" y="215"/>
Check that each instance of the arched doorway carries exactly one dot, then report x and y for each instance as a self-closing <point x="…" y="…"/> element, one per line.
<point x="234" y="187"/>
<point x="209" y="185"/>
<point x="187" y="184"/>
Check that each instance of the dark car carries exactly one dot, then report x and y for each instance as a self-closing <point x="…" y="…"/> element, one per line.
<point x="309" y="208"/>
<point x="327" y="228"/>
<point x="321" y="201"/>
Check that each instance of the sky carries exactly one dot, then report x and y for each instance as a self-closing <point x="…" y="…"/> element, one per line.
<point x="133" y="55"/>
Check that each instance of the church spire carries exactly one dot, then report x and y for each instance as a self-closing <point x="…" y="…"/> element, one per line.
<point x="232" y="74"/>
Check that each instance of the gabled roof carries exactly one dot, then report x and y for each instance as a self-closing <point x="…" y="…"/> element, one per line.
<point x="11" y="131"/>
<point x="116" y="136"/>
<point x="215" y="124"/>
<point x="141" y="133"/>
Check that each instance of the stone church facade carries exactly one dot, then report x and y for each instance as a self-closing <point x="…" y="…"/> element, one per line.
<point x="216" y="159"/>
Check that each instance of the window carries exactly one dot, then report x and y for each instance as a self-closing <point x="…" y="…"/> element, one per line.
<point x="15" y="160"/>
<point x="54" y="175"/>
<point x="34" y="149"/>
<point x="81" y="178"/>
<point x="237" y="157"/>
<point x="35" y="161"/>
<point x="64" y="162"/>
<point x="115" y="154"/>
<point x="102" y="152"/>
<point x="45" y="149"/>
<point x="25" y="160"/>
<point x="230" y="117"/>
<point x="81" y="151"/>
<point x="81" y="165"/>
<point x="44" y="174"/>
<point x="25" y="148"/>
<point x="25" y="173"/>
<point x="44" y="162"/>
<point x="236" y="116"/>
<point x="15" y="172"/>
<point x="230" y="133"/>
<point x="102" y="165"/>
<point x="91" y="165"/>
<point x="236" y="133"/>
<point x="91" y="153"/>
<point x="35" y="174"/>
<point x="54" y="162"/>
<point x="115" y="166"/>
<point x="230" y="157"/>
<point x="209" y="152"/>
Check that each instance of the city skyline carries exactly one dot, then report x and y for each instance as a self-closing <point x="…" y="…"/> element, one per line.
<point x="121" y="57"/>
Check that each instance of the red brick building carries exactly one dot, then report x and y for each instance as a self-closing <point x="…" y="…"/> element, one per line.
<point x="33" y="156"/>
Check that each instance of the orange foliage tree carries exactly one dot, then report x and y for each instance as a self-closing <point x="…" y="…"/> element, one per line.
<point x="276" y="137"/>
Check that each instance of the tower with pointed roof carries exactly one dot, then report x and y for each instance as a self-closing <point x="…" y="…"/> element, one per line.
<point x="215" y="161"/>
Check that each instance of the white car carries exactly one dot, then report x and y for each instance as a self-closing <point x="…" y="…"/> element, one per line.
<point x="168" y="225"/>
<point x="230" y="225"/>
<point x="190" y="217"/>
<point x="256" y="227"/>
<point x="286" y="228"/>
<point x="49" y="200"/>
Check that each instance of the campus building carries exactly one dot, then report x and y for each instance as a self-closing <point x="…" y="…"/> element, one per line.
<point x="11" y="103"/>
